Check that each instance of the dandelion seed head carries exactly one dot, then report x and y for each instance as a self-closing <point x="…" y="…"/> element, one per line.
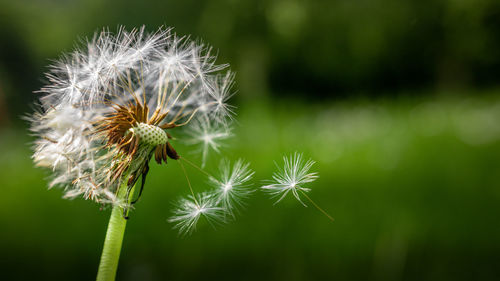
<point x="110" y="106"/>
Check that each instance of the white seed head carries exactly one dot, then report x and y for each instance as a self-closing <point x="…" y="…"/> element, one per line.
<point x="118" y="85"/>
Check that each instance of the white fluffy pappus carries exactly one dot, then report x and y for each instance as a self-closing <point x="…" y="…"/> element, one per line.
<point x="219" y="204"/>
<point x="113" y="83"/>
<point x="232" y="186"/>
<point x="189" y="210"/>
<point x="291" y="177"/>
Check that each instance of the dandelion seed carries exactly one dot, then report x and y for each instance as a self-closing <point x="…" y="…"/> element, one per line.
<point x="190" y="210"/>
<point x="292" y="177"/>
<point x="221" y="94"/>
<point x="208" y="135"/>
<point x="232" y="186"/>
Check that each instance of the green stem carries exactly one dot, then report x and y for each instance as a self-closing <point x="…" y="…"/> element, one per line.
<point x="113" y="241"/>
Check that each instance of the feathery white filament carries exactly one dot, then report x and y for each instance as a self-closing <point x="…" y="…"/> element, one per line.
<point x="189" y="211"/>
<point x="208" y="135"/>
<point x="291" y="177"/>
<point x="232" y="185"/>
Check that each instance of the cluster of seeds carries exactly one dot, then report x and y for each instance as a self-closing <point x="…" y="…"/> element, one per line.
<point x="105" y="110"/>
<point x="150" y="134"/>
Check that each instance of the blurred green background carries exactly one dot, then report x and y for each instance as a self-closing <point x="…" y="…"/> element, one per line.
<point x="397" y="101"/>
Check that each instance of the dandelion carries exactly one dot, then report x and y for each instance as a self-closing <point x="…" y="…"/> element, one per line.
<point x="117" y="102"/>
<point x="291" y="178"/>
<point x="110" y="108"/>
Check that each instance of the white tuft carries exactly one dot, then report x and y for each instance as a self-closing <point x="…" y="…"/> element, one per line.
<point x="190" y="210"/>
<point x="291" y="177"/>
<point x="232" y="185"/>
<point x="208" y="135"/>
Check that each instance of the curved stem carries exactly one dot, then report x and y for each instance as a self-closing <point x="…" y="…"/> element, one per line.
<point x="114" y="238"/>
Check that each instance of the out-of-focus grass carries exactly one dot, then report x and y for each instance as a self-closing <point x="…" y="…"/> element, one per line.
<point x="413" y="186"/>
